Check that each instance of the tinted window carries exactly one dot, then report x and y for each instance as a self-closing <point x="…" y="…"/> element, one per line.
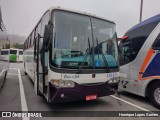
<point x="32" y="39"/>
<point x="156" y="45"/>
<point x="21" y="52"/>
<point x="13" y="51"/>
<point x="45" y="20"/>
<point x="4" y="52"/>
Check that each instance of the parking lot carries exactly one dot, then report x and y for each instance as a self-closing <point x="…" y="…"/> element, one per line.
<point x="17" y="94"/>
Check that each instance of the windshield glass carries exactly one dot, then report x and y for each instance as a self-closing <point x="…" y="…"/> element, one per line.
<point x="13" y="51"/>
<point x="105" y="43"/>
<point x="73" y="42"/>
<point x="4" y="52"/>
<point x="21" y="52"/>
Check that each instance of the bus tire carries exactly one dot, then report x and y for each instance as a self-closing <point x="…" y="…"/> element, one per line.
<point x="36" y="88"/>
<point x="25" y="69"/>
<point x="25" y="72"/>
<point x="5" y="75"/>
<point x="154" y="94"/>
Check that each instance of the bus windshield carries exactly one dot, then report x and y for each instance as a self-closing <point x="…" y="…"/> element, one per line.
<point x="105" y="43"/>
<point x="21" y="52"/>
<point x="13" y="51"/>
<point x="4" y="52"/>
<point x="74" y="36"/>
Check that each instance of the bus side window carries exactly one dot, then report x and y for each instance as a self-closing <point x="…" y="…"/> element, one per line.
<point x="32" y="38"/>
<point x="156" y="44"/>
<point x="124" y="53"/>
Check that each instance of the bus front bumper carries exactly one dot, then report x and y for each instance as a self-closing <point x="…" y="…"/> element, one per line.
<point x="80" y="92"/>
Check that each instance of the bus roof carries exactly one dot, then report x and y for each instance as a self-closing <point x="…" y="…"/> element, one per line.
<point x="4" y="49"/>
<point x="83" y="13"/>
<point x="155" y="18"/>
<point x="73" y="11"/>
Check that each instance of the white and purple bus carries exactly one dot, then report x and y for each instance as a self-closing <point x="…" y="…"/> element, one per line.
<point x="72" y="56"/>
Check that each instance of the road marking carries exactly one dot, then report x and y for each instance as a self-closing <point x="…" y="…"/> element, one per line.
<point x="129" y="103"/>
<point x="11" y="74"/>
<point x="14" y="68"/>
<point x="23" y="98"/>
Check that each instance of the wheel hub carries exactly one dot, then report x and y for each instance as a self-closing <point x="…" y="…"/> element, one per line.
<point x="157" y="95"/>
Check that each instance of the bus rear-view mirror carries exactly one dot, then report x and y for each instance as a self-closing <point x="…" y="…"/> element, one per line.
<point x="46" y="37"/>
<point x="123" y="38"/>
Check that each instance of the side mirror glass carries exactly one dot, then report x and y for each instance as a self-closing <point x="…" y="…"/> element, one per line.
<point x="46" y="37"/>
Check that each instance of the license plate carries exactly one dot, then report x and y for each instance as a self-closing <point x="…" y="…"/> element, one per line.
<point x="91" y="97"/>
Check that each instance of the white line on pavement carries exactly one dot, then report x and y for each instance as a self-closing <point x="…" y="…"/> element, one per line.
<point x="14" y="68"/>
<point x="23" y="98"/>
<point x="11" y="74"/>
<point x="129" y="103"/>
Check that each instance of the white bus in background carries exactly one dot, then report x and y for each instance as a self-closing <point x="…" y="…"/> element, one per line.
<point x="20" y="53"/>
<point x="72" y="56"/>
<point x="4" y="54"/>
<point x="4" y="44"/>
<point x="139" y="55"/>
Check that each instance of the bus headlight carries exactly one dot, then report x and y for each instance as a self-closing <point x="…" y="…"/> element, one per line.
<point x="63" y="83"/>
<point x="113" y="80"/>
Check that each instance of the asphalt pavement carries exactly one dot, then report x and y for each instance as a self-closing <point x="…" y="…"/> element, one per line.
<point x="12" y="99"/>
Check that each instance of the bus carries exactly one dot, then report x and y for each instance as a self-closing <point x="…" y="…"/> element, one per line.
<point x="20" y="55"/>
<point x="13" y="54"/>
<point x="139" y="56"/>
<point x="72" y="56"/>
<point x="16" y="55"/>
<point x="4" y="54"/>
<point x="4" y="45"/>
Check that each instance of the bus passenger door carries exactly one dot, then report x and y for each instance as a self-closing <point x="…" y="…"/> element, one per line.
<point x="38" y="85"/>
<point x="39" y="66"/>
<point x="36" y="65"/>
<point x="43" y="62"/>
<point x="128" y="82"/>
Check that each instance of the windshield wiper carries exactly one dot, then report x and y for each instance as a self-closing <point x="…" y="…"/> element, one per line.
<point x="85" y="57"/>
<point x="104" y="58"/>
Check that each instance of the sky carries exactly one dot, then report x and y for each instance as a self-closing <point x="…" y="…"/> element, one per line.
<point x="20" y="16"/>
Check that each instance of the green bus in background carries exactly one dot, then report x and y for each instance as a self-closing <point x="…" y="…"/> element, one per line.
<point x="13" y="55"/>
<point x="16" y="55"/>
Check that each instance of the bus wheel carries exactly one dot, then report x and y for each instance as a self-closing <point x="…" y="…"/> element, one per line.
<point x="154" y="94"/>
<point x="25" y="72"/>
<point x="5" y="75"/>
<point x="4" y="79"/>
<point x="25" y="69"/>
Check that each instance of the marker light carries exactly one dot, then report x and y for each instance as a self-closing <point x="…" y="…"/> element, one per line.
<point x="123" y="38"/>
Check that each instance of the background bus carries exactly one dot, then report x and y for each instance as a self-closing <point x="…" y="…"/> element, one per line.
<point x="4" y="44"/>
<point x="13" y="55"/>
<point x="16" y="55"/>
<point x="4" y="54"/>
<point x="72" y="56"/>
<point x="20" y="53"/>
<point x="139" y="60"/>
